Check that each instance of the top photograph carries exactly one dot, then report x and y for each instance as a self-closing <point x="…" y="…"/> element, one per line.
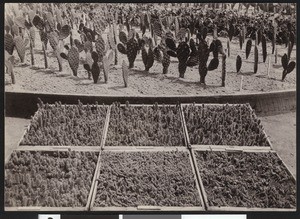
<point x="157" y="49"/>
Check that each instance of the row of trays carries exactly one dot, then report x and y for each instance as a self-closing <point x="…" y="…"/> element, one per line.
<point x="133" y="126"/>
<point x="158" y="179"/>
<point x="105" y="176"/>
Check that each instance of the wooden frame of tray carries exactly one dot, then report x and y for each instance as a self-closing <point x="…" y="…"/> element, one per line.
<point x="149" y="208"/>
<point x="51" y="105"/>
<point x="214" y="208"/>
<point x="40" y="208"/>
<point x="195" y="146"/>
<point x="123" y="147"/>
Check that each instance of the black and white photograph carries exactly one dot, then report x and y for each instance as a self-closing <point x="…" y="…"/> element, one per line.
<point x="150" y="107"/>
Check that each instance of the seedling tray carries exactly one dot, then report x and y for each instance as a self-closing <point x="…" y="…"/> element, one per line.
<point x="211" y="146"/>
<point x="144" y="207"/>
<point x="50" y="152"/>
<point x="53" y="105"/>
<point x="110" y="132"/>
<point x="239" y="182"/>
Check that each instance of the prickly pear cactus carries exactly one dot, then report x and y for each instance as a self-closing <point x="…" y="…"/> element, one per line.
<point x="44" y="38"/>
<point x="9" y="43"/>
<point x="183" y="52"/>
<point x="73" y="58"/>
<point x="223" y="69"/>
<point x="100" y="47"/>
<point x="21" y="47"/>
<point x="203" y="57"/>
<point x="132" y="50"/>
<point x="287" y="67"/>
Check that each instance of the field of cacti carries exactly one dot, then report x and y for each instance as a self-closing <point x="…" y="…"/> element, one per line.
<point x="124" y="49"/>
<point x="169" y="173"/>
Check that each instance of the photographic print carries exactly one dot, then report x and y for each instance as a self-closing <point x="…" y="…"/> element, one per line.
<point x="135" y="107"/>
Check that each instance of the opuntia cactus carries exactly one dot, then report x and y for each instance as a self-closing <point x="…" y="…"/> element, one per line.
<point x="129" y="47"/>
<point x="288" y="67"/>
<point x="73" y="58"/>
<point x="95" y="69"/>
<point x="203" y="57"/>
<point x="238" y="64"/>
<point x="148" y="57"/>
<point x="264" y="47"/>
<point x="21" y="44"/>
<point x="182" y="52"/>
<point x="100" y="47"/>
<point x="255" y="59"/>
<point x="9" y="43"/>
<point x="248" y="48"/>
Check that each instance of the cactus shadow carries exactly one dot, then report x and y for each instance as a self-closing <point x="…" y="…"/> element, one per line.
<point x="247" y="73"/>
<point x="48" y="71"/>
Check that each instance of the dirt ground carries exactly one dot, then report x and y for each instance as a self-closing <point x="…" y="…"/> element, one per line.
<point x="37" y="78"/>
<point x="280" y="128"/>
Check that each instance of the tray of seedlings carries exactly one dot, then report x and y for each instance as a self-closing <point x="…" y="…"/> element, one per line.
<point x="156" y="179"/>
<point x="245" y="180"/>
<point x="228" y="126"/>
<point x="144" y="126"/>
<point x="66" y="126"/>
<point x="60" y="180"/>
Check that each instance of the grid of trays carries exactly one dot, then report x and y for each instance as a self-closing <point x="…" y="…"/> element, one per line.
<point x="146" y="157"/>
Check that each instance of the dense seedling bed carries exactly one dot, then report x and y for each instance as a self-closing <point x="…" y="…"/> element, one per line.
<point x="226" y="124"/>
<point x="133" y="179"/>
<point x="49" y="179"/>
<point x="155" y="125"/>
<point x="254" y="180"/>
<point x="72" y="125"/>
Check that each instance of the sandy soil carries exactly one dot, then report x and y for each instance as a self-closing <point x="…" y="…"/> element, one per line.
<point x="282" y="132"/>
<point x="36" y="78"/>
<point x="280" y="128"/>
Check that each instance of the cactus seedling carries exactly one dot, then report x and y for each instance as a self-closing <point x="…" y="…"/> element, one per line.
<point x="95" y="69"/>
<point x="73" y="58"/>
<point x="287" y="67"/>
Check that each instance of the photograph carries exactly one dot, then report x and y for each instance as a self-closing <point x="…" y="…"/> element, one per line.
<point x="150" y="107"/>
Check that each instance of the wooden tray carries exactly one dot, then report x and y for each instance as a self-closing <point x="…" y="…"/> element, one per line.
<point x="149" y="208"/>
<point x="230" y="208"/>
<point x="52" y="105"/>
<point x="37" y="208"/>
<point x="223" y="146"/>
<point x="123" y="147"/>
